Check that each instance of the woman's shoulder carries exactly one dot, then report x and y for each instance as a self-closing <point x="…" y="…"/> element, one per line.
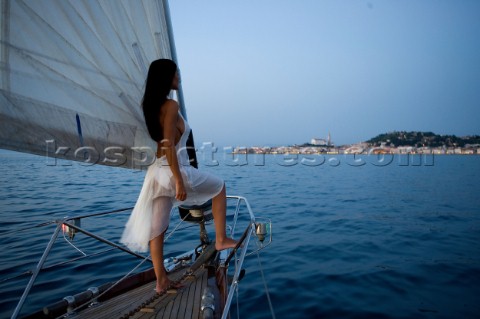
<point x="169" y="107"/>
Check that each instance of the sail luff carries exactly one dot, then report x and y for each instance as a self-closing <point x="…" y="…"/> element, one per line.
<point x="173" y="49"/>
<point x="4" y="50"/>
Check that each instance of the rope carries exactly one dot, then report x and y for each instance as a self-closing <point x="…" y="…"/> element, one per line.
<point x="176" y="227"/>
<point x="237" y="301"/>
<point x="71" y="244"/>
<point x="265" y="285"/>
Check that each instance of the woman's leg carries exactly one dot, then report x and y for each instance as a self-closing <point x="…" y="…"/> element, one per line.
<point x="160" y="219"/>
<point x="219" y="211"/>
<point x="156" y="252"/>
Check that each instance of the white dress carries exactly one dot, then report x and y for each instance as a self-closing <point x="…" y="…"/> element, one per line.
<point x="151" y="215"/>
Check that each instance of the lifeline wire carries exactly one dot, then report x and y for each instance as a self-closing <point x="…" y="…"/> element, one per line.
<point x="135" y="268"/>
<point x="265" y="285"/>
<point x="128" y="274"/>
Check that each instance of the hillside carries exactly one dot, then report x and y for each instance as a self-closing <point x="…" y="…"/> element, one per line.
<point x="419" y="139"/>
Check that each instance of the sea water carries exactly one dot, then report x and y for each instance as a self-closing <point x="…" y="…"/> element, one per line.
<point x="353" y="237"/>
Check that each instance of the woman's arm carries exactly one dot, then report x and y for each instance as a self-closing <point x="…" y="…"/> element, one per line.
<point x="170" y="119"/>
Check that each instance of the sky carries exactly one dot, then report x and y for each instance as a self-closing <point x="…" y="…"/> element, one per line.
<point x="281" y="72"/>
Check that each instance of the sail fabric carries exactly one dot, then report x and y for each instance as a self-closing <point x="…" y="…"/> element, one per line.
<point x="73" y="74"/>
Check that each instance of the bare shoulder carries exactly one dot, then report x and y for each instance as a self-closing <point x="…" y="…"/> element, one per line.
<point x="171" y="107"/>
<point x="169" y="113"/>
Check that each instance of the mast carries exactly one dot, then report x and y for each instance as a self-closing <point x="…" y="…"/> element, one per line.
<point x="181" y="101"/>
<point x="173" y="50"/>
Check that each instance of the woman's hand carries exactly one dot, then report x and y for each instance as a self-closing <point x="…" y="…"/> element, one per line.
<point x="180" y="193"/>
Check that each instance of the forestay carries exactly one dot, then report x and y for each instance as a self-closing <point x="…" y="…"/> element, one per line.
<point x="72" y="77"/>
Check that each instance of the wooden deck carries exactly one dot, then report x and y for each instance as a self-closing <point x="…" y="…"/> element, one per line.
<point x="144" y="303"/>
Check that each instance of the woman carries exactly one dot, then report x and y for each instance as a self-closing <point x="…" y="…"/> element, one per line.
<point x="170" y="181"/>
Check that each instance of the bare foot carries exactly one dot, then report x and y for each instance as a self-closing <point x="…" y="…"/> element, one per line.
<point x="176" y="285"/>
<point x="166" y="284"/>
<point x="162" y="285"/>
<point x="226" y="243"/>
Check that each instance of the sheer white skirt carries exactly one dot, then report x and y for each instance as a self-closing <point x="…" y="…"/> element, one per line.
<point x="151" y="215"/>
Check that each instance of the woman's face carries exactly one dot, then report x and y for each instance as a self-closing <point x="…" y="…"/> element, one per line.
<point x="176" y="81"/>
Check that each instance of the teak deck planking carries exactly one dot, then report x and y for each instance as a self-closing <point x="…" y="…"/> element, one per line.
<point x="144" y="303"/>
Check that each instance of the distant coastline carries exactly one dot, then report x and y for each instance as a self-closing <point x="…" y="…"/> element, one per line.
<point x="355" y="149"/>
<point x="397" y="142"/>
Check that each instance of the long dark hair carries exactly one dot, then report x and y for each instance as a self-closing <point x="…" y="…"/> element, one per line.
<point x="159" y="83"/>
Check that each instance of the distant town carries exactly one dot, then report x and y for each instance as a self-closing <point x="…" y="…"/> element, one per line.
<point x="401" y="142"/>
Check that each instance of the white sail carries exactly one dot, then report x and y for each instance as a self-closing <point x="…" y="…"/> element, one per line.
<point x="73" y="73"/>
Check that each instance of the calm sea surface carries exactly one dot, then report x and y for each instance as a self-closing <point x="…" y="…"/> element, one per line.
<point x="353" y="238"/>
